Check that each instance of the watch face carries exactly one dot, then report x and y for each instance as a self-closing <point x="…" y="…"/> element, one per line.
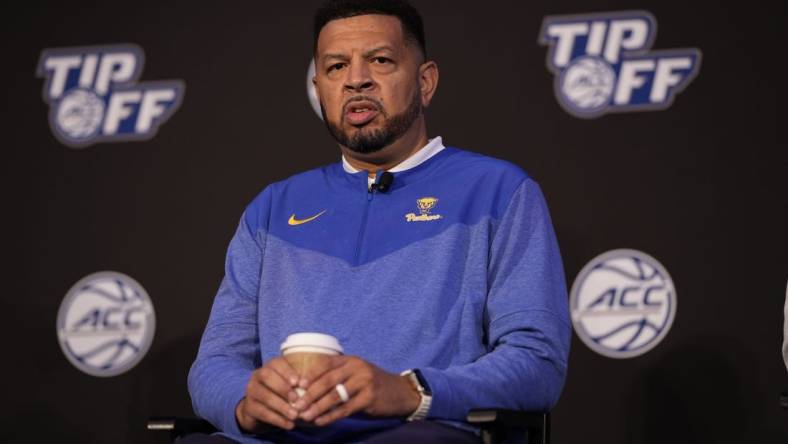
<point x="422" y="382"/>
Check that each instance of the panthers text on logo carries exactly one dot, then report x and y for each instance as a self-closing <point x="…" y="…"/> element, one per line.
<point x="94" y="96"/>
<point x="105" y="324"/>
<point x="425" y="206"/>
<point x="623" y="303"/>
<point x="603" y="63"/>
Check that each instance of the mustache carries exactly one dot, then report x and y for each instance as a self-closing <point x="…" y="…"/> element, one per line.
<point x="362" y="98"/>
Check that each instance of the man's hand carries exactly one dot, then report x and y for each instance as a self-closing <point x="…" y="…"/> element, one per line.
<point x="370" y="390"/>
<point x="269" y="395"/>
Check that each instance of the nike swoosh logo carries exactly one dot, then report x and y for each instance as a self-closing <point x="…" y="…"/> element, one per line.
<point x="294" y="221"/>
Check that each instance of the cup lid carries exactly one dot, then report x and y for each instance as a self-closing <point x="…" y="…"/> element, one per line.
<point x="310" y="339"/>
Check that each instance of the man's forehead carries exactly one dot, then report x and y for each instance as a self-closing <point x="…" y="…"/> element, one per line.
<point x="361" y="32"/>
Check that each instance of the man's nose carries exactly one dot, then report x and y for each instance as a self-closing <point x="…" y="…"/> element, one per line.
<point x="359" y="77"/>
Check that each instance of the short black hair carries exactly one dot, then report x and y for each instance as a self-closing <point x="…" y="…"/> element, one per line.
<point x="409" y="17"/>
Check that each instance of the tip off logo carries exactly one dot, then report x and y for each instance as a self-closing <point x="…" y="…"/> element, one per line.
<point x="603" y="63"/>
<point x="623" y="303"/>
<point x="105" y="324"/>
<point x="93" y="95"/>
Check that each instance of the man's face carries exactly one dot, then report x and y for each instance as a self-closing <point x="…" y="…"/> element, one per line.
<point x="367" y="78"/>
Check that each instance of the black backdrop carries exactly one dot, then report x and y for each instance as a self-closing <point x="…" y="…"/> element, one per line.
<point x="699" y="186"/>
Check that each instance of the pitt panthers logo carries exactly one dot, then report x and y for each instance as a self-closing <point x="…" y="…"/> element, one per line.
<point x="425" y="205"/>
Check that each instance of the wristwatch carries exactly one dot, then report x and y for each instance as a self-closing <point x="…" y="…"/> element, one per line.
<point x="420" y="384"/>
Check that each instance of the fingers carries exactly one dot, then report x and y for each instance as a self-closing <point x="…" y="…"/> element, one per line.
<point x="319" y="387"/>
<point x="275" y="382"/>
<point x="284" y="369"/>
<point x="260" y="413"/>
<point x="343" y="409"/>
<point x="259" y="393"/>
<point x="269" y="394"/>
<point x="324" y="397"/>
<point x="330" y="398"/>
<point x="271" y="397"/>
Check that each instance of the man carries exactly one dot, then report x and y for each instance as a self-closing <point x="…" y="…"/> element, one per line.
<point x="421" y="259"/>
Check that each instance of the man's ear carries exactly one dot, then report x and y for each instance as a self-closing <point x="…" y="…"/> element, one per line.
<point x="428" y="81"/>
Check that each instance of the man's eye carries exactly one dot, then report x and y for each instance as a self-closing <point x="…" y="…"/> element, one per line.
<point x="381" y="60"/>
<point x="336" y="66"/>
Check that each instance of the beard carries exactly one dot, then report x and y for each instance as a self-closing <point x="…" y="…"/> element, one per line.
<point x="366" y="141"/>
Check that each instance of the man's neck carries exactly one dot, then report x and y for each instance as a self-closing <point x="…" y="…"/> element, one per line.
<point x="392" y="155"/>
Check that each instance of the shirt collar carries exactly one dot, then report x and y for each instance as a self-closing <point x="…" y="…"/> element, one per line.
<point x="432" y="148"/>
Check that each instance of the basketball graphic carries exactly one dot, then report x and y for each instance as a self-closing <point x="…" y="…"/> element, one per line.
<point x="623" y="303"/>
<point x="587" y="84"/>
<point x="79" y="114"/>
<point x="105" y="324"/>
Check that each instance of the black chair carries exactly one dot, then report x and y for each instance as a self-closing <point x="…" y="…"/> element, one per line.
<point x="497" y="426"/>
<point x="508" y="426"/>
<point x="180" y="427"/>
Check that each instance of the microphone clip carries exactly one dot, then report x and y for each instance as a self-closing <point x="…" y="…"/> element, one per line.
<point x="383" y="183"/>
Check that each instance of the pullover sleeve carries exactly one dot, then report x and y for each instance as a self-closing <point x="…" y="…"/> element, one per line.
<point x="526" y="320"/>
<point x="229" y="350"/>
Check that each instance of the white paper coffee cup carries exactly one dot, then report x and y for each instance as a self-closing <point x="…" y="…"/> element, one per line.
<point x="302" y="350"/>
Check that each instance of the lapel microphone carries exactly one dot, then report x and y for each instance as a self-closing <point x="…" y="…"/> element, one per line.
<point x="384" y="183"/>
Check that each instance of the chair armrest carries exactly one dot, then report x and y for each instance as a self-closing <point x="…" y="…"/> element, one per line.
<point x="784" y="400"/>
<point x="180" y="426"/>
<point x="496" y="424"/>
<point x="509" y="418"/>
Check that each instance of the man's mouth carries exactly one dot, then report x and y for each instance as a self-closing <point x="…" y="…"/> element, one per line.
<point x="361" y="112"/>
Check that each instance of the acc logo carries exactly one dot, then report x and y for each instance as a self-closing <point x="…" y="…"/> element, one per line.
<point x="425" y="205"/>
<point x="311" y="93"/>
<point x="623" y="303"/>
<point x="105" y="324"/>
<point x="93" y="95"/>
<point x="603" y="63"/>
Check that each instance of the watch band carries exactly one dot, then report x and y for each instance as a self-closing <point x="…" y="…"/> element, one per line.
<point x="426" y="396"/>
